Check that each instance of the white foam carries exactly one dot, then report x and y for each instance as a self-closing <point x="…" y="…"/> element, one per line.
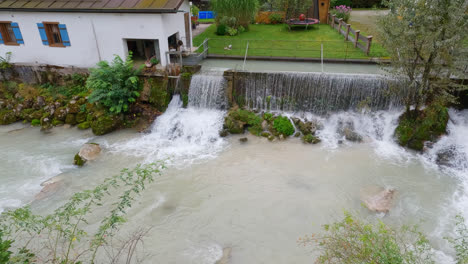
<point x="181" y="136"/>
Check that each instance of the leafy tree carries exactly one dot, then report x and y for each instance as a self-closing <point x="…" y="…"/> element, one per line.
<point x="243" y="11"/>
<point x="424" y="39"/>
<point x="293" y="8"/>
<point x="355" y="241"/>
<point x="114" y="85"/>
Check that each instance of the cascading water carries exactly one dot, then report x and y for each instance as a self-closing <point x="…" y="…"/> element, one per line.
<point x="183" y="135"/>
<point x="206" y="91"/>
<point x="316" y="92"/>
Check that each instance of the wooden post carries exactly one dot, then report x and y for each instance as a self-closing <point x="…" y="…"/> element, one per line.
<point x="328" y="18"/>
<point x="339" y="25"/>
<point x="357" y="38"/>
<point x="369" y="41"/>
<point x="348" y="26"/>
<point x="333" y="21"/>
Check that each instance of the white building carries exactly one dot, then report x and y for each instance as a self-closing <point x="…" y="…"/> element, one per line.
<point x="80" y="33"/>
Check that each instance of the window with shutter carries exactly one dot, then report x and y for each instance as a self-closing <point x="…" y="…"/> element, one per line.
<point x="8" y="36"/>
<point x="54" y="34"/>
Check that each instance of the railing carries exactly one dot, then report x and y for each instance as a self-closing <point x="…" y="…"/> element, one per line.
<point x="355" y="36"/>
<point x="285" y="49"/>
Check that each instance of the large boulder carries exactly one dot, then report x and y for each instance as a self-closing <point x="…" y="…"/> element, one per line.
<point x="89" y="151"/>
<point x="378" y="199"/>
<point x="105" y="124"/>
<point x="7" y="117"/>
<point x="60" y="113"/>
<point x="73" y="107"/>
<point x="346" y="130"/>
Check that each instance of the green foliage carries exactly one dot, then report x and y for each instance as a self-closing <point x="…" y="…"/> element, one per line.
<point x="416" y="127"/>
<point x="232" y="31"/>
<point x="228" y="21"/>
<point x="241" y="29"/>
<point x="194" y="10"/>
<point x="63" y="231"/>
<point x="243" y="10"/>
<point x="114" y="85"/>
<point x="425" y="45"/>
<point x="283" y="125"/>
<point x="154" y="61"/>
<point x="5" y="61"/>
<point x="236" y="120"/>
<point x="334" y="3"/>
<point x="35" y="122"/>
<point x="276" y="18"/>
<point x="5" y="252"/>
<point x="460" y="241"/>
<point x="221" y="30"/>
<point x="268" y="117"/>
<point x="355" y="241"/>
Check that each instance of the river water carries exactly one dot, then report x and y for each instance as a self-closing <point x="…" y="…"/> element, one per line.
<point x="256" y="198"/>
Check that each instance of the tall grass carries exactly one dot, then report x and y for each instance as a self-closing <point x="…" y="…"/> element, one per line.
<point x="243" y="10"/>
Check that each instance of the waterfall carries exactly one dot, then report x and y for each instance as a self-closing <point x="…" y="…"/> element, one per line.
<point x="207" y="91"/>
<point x="316" y="92"/>
<point x="184" y="135"/>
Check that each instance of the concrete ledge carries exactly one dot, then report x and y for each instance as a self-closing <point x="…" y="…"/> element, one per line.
<point x="268" y="58"/>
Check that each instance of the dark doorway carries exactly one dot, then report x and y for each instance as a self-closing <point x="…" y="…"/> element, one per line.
<point x="143" y="49"/>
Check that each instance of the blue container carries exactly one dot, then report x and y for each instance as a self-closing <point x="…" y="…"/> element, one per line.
<point x="206" y="15"/>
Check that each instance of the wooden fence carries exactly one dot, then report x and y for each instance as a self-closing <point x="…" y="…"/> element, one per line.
<point x="350" y="34"/>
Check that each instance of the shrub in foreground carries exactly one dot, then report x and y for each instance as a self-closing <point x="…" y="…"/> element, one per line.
<point x="355" y="241"/>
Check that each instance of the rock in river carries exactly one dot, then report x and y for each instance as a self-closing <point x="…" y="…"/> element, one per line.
<point x="89" y="151"/>
<point x="378" y="199"/>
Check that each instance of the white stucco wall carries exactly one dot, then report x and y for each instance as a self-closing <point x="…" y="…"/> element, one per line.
<point x="86" y="50"/>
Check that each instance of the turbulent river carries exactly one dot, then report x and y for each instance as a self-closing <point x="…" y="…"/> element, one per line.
<point x="256" y="198"/>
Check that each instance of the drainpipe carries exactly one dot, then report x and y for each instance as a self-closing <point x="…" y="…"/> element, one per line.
<point x="95" y="40"/>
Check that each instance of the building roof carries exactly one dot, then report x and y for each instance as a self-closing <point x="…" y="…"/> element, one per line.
<point x="97" y="6"/>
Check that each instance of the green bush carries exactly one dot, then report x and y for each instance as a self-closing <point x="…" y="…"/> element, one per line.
<point x="243" y="10"/>
<point x="283" y="126"/>
<point x="232" y="31"/>
<point x="114" y="85"/>
<point x="276" y="18"/>
<point x="221" y="30"/>
<point x="355" y="241"/>
<point x="5" y="61"/>
<point x="241" y="29"/>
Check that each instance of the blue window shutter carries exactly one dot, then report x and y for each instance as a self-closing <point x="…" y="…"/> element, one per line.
<point x="43" y="34"/>
<point x="64" y="34"/>
<point x="1" y="39"/>
<point x="17" y="32"/>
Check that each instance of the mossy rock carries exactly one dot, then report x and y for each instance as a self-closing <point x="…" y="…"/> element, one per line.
<point x="417" y="127"/>
<point x="25" y="114"/>
<point x="36" y="114"/>
<point x="310" y="139"/>
<point x="283" y="126"/>
<point x="105" y="124"/>
<point x="78" y="160"/>
<point x="265" y="134"/>
<point x="35" y="122"/>
<point x="7" y="117"/>
<point x="70" y="119"/>
<point x="81" y="117"/>
<point x="56" y="122"/>
<point x="239" y="119"/>
<point x="60" y="113"/>
<point x="84" y="125"/>
<point x="73" y="107"/>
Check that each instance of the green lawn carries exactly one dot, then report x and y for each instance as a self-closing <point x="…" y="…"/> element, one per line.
<point x="206" y="21"/>
<point x="277" y="40"/>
